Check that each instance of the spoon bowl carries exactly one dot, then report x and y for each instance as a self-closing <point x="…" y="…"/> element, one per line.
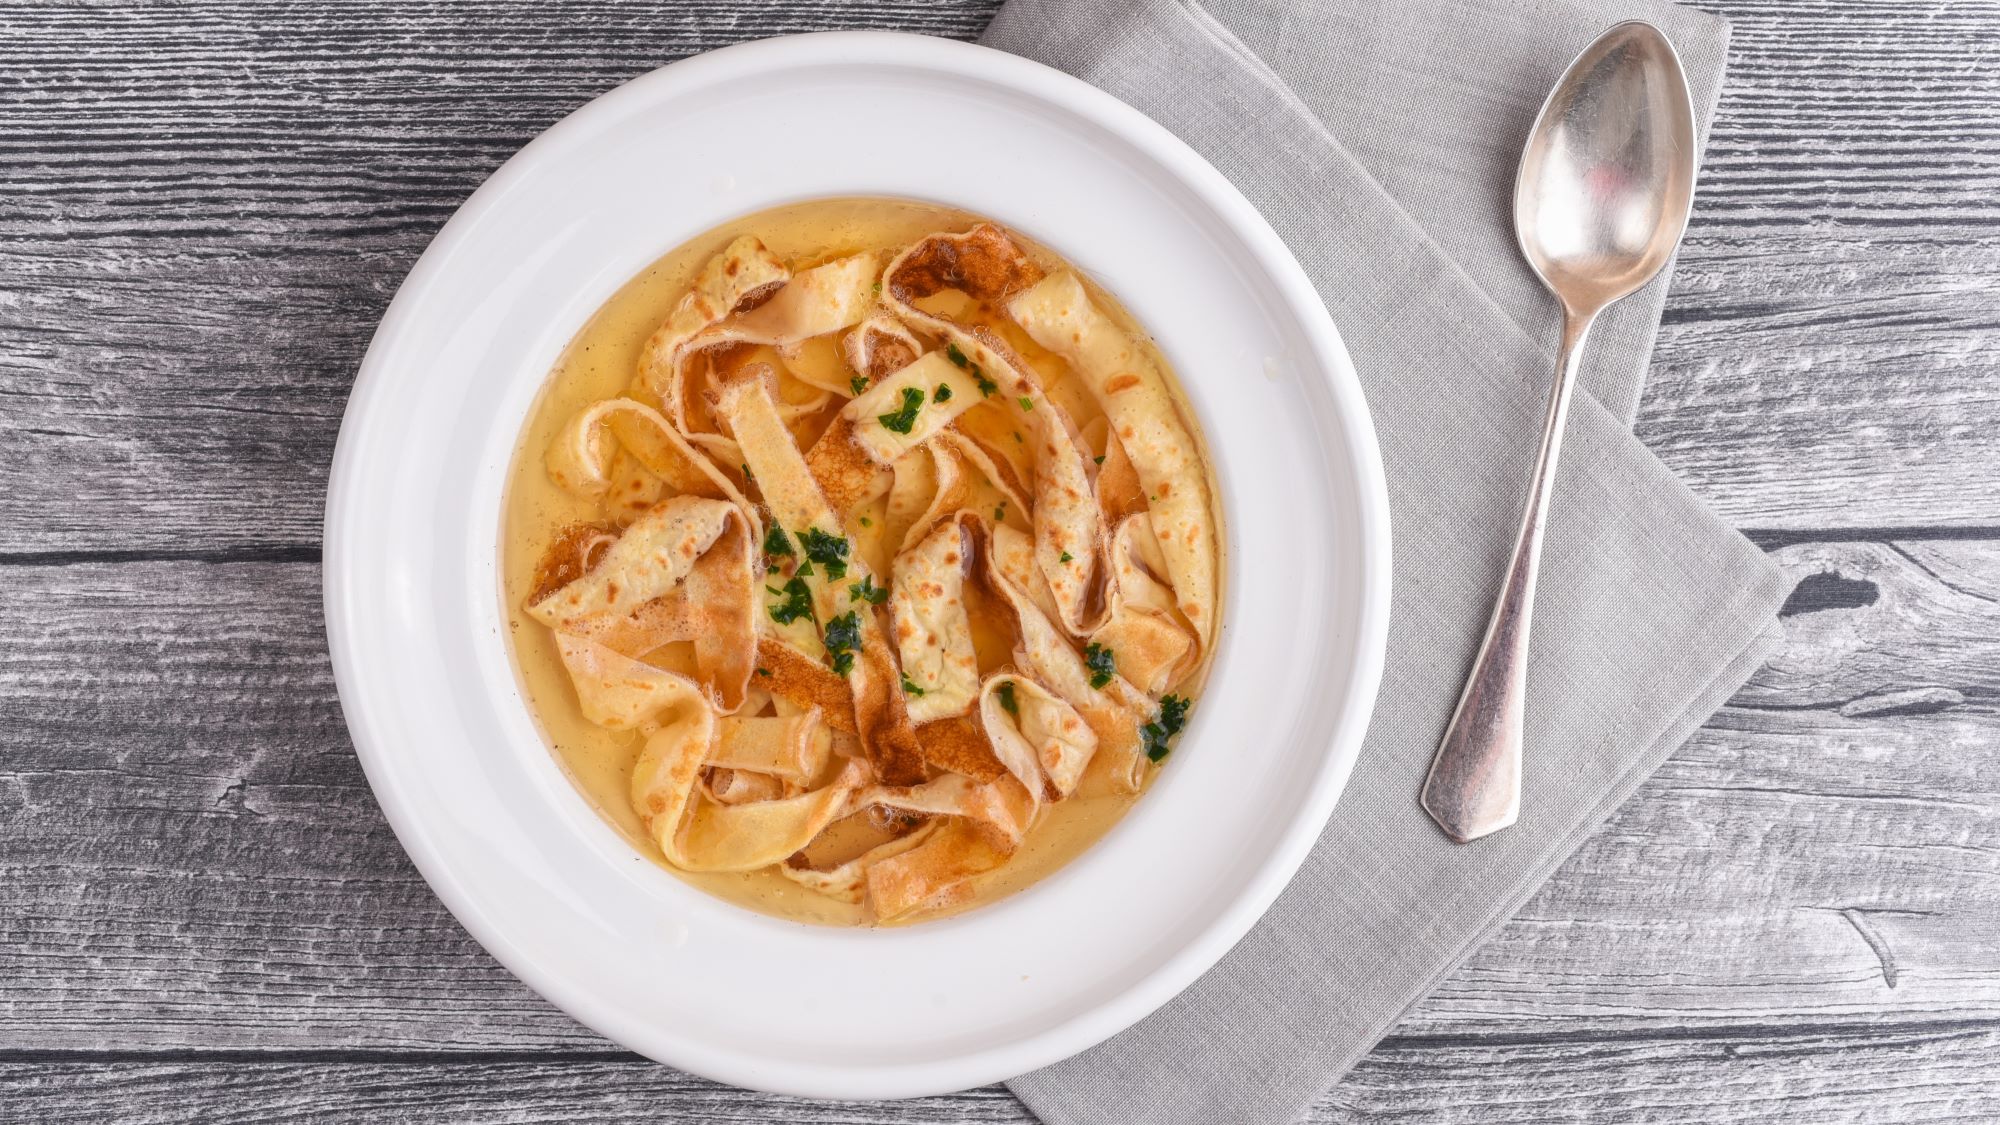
<point x="1607" y="177"/>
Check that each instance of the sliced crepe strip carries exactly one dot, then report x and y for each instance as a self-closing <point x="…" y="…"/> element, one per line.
<point x="1040" y="739"/>
<point x="792" y="747"/>
<point x="570" y="554"/>
<point x="744" y="274"/>
<point x="585" y="456"/>
<point x="878" y="346"/>
<point x="901" y="410"/>
<point x="932" y="875"/>
<point x="744" y="787"/>
<point x="1114" y="712"/>
<point x="798" y="505"/>
<point x="615" y="691"/>
<point x="847" y="476"/>
<point x="933" y="635"/>
<point x="696" y="833"/>
<point x="1133" y="393"/>
<point x="683" y="571"/>
<point x="915" y="483"/>
<point x="982" y="262"/>
<point x="959" y="744"/>
<point x="1043" y="741"/>
<point x="1153" y="645"/>
<point x="804" y="681"/>
<point x="1002" y="809"/>
<point x="848" y="881"/>
<point x="962" y="476"/>
<point x="816" y="302"/>
<point x="986" y="264"/>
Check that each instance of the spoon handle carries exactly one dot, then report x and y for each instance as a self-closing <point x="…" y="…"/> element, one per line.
<point x="1474" y="787"/>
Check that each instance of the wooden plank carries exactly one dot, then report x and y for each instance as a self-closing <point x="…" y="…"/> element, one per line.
<point x="207" y="214"/>
<point x="189" y="855"/>
<point x="1901" y="1074"/>
<point x="1829" y="348"/>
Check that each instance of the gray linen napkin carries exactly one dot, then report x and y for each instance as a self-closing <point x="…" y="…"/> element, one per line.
<point x="1379" y="139"/>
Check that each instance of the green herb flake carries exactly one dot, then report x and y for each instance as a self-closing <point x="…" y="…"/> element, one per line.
<point x="858" y="384"/>
<point x="798" y="603"/>
<point x="776" y="542"/>
<point x="904" y="420"/>
<point x="1000" y="513"/>
<point x="805" y="570"/>
<point x="843" y="640"/>
<point x="1172" y="717"/>
<point x="986" y="386"/>
<point x="763" y="671"/>
<point x="748" y="476"/>
<point x="878" y="287"/>
<point x="1103" y="664"/>
<point x="867" y="591"/>
<point x="942" y="394"/>
<point x="1019" y="438"/>
<point x="956" y="357"/>
<point x="829" y="551"/>
<point x="1067" y="557"/>
<point x="1026" y="403"/>
<point x="866" y="522"/>
<point x="1006" y="693"/>
<point x="1099" y="458"/>
<point x="911" y="687"/>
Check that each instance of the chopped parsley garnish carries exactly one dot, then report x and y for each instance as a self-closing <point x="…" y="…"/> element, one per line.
<point x="867" y="591"/>
<point x="910" y="687"/>
<point x="1099" y="458"/>
<point x="942" y="394"/>
<point x="763" y="671"/>
<point x="1019" y="438"/>
<point x="1006" y="693"/>
<point x="805" y="570"/>
<point x="843" y="639"/>
<point x="747" y="474"/>
<point x="1154" y="735"/>
<point x="776" y="542"/>
<point x="878" y="287"/>
<point x="1026" y="402"/>
<point x="956" y="357"/>
<point x="1067" y="557"/>
<point x="866" y="522"/>
<point x="986" y="386"/>
<point x="1102" y="664"/>
<point x="904" y="420"/>
<point x="829" y="551"/>
<point x="858" y="384"/>
<point x="1000" y="513"/>
<point x="798" y="603"/>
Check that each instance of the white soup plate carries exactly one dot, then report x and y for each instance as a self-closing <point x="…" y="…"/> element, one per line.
<point x="416" y="623"/>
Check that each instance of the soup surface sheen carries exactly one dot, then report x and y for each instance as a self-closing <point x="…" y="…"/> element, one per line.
<point x="1128" y="609"/>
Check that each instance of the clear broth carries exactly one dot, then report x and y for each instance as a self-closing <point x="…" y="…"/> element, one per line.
<point x="598" y="364"/>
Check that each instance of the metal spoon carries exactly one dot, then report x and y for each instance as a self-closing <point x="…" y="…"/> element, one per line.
<point x="1599" y="205"/>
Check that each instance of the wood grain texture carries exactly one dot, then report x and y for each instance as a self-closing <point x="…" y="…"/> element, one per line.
<point x="1911" y="1076"/>
<point x="204" y="918"/>
<point x="208" y="210"/>
<point x="1831" y="348"/>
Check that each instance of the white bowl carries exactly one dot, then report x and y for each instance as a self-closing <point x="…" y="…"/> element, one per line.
<point x="414" y="614"/>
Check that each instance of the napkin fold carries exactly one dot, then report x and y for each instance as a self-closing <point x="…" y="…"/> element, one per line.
<point x="1380" y="140"/>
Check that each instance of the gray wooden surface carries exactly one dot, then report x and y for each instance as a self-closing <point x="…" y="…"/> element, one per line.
<point x="204" y="208"/>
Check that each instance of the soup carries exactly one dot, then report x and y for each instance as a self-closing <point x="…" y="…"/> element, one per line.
<point x="861" y="561"/>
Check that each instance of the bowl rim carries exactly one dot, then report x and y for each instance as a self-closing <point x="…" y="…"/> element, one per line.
<point x="1329" y="360"/>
